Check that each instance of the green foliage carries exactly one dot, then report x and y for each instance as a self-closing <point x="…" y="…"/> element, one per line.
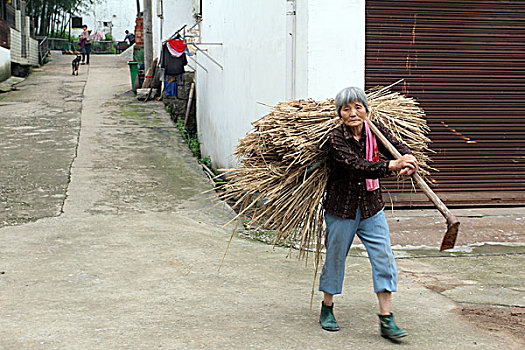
<point x="102" y="47"/>
<point x="206" y="161"/>
<point x="60" y="35"/>
<point x="195" y="147"/>
<point x="51" y="16"/>
<point x="191" y="140"/>
<point x="182" y="129"/>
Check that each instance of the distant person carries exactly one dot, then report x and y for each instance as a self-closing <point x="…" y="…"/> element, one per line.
<point x="85" y="44"/>
<point x="130" y="37"/>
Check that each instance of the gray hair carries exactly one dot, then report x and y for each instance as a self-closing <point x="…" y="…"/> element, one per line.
<point x="350" y="94"/>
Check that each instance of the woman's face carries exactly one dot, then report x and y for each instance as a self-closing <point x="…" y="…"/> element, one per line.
<point x="353" y="114"/>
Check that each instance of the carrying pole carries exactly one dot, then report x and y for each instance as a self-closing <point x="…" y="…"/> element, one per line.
<point x="449" y="240"/>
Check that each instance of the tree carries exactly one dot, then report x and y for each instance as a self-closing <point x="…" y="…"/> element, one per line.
<point x="53" y="16"/>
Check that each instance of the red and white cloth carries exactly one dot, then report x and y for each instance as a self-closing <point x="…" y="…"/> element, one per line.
<point x="177" y="45"/>
<point x="173" y="52"/>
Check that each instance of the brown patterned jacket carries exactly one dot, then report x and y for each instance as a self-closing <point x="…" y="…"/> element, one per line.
<point x="349" y="169"/>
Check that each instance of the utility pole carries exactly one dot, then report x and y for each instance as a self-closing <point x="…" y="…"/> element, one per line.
<point x="148" y="34"/>
<point x="71" y="47"/>
<point x="160" y="14"/>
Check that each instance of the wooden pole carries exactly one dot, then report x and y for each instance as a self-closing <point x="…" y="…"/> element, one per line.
<point x="190" y="100"/>
<point x="150" y="74"/>
<point x="452" y="222"/>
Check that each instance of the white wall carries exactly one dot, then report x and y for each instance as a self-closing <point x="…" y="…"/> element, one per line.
<point x="336" y="46"/>
<point x="15" y="45"/>
<point x="253" y="54"/>
<point x="15" y="52"/>
<point x="5" y="63"/>
<point x="301" y="59"/>
<point x="330" y="55"/>
<point x="121" y="13"/>
<point x="32" y="52"/>
<point x="15" y="42"/>
<point x="176" y="14"/>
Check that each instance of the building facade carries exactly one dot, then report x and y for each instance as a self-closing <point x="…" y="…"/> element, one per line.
<point x="168" y="17"/>
<point x="17" y="44"/>
<point x="110" y="17"/>
<point x="462" y="61"/>
<point x="24" y="48"/>
<point x="271" y="51"/>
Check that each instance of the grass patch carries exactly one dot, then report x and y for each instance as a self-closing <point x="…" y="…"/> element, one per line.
<point x="191" y="140"/>
<point x="207" y="161"/>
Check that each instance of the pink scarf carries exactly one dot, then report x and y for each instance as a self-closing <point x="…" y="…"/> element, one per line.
<point x="372" y="154"/>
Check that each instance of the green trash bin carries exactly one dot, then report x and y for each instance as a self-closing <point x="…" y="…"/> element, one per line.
<point x="134" y="71"/>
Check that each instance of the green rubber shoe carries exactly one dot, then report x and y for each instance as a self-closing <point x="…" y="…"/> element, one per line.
<point x="389" y="329"/>
<point x="327" y="319"/>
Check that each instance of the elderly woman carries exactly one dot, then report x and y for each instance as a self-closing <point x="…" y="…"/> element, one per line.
<point x="354" y="205"/>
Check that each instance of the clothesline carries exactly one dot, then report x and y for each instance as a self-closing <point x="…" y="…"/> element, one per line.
<point x="177" y="32"/>
<point x="196" y="48"/>
<point x="182" y="28"/>
<point x="177" y="47"/>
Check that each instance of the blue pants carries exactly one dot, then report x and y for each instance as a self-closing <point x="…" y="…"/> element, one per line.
<point x="375" y="235"/>
<point x="171" y="89"/>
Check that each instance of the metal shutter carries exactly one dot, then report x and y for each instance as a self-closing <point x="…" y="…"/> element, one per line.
<point x="464" y="61"/>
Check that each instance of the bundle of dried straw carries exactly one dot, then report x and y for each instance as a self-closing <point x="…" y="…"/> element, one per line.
<point x="274" y="186"/>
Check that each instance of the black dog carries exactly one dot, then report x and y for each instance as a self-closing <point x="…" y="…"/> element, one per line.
<point x="75" y="64"/>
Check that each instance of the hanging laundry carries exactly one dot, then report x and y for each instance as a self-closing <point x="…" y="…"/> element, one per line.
<point x="173" y="52"/>
<point x="177" y="45"/>
<point x="191" y="50"/>
<point x="171" y="84"/>
<point x="170" y="88"/>
<point x="98" y="36"/>
<point x="172" y="65"/>
<point x="179" y="79"/>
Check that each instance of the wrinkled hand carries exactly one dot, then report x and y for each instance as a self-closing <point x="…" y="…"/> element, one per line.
<point x="407" y="171"/>
<point x="407" y="164"/>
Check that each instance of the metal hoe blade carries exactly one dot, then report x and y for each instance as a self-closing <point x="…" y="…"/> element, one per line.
<point x="449" y="240"/>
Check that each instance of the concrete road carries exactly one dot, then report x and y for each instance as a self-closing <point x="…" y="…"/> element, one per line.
<point x="108" y="242"/>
